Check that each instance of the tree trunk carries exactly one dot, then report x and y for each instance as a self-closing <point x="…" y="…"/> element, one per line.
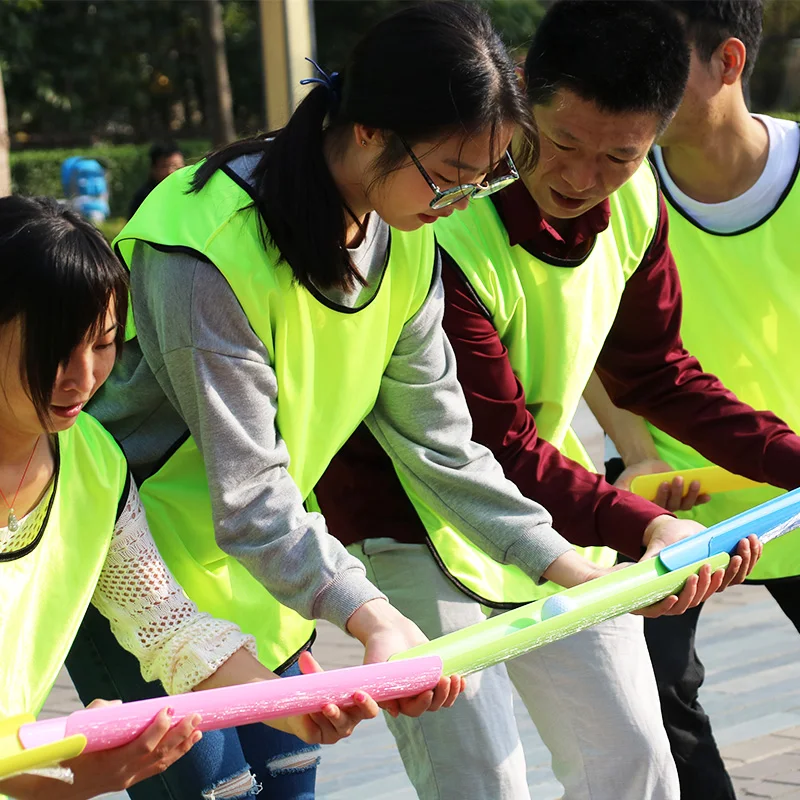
<point x="217" y="90"/>
<point x="5" y="166"/>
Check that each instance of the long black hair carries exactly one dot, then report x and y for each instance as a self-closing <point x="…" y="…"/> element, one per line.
<point x="58" y="276"/>
<point x="424" y="73"/>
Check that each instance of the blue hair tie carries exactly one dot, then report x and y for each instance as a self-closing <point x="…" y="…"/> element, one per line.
<point x="331" y="82"/>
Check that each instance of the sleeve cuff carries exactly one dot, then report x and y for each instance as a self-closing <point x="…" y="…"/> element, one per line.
<point x="627" y="520"/>
<point x="344" y="596"/>
<point x="536" y="551"/>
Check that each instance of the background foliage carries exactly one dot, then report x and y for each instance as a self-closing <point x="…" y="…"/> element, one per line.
<point x="85" y="75"/>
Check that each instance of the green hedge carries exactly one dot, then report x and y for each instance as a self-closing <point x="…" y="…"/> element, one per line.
<point x="38" y="172"/>
<point x="795" y="115"/>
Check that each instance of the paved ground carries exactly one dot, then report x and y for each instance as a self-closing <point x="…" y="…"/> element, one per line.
<point x="752" y="693"/>
<point x="752" y="656"/>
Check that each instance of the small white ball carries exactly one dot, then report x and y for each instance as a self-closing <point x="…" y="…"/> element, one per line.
<point x="557" y="604"/>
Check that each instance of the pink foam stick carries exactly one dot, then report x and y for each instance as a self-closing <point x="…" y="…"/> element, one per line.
<point x="114" y="726"/>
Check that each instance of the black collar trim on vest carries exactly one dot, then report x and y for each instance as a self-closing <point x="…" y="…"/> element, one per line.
<point x="572" y="263"/>
<point x="169" y="248"/>
<point x="240" y="182"/>
<point x="328" y="303"/>
<point x="789" y="186"/>
<point x="659" y="191"/>
<point x="123" y="498"/>
<point x="292" y="658"/>
<point x="313" y="290"/>
<point x="470" y="289"/>
<point x="141" y="477"/>
<point x="566" y="263"/>
<point x="31" y="546"/>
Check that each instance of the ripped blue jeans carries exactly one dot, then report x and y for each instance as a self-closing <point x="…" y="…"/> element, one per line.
<point x="233" y="763"/>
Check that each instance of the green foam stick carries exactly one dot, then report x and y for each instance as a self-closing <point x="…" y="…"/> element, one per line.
<point x="536" y="624"/>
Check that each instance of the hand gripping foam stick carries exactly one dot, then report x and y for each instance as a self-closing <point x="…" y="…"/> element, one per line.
<point x="113" y="726"/>
<point x="14" y="758"/>
<point x="528" y="627"/>
<point x="712" y="481"/>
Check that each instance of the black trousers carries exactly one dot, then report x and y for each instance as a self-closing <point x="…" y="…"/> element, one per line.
<point x="679" y="675"/>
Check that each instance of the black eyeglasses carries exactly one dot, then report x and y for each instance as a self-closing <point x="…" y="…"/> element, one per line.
<point x="442" y="199"/>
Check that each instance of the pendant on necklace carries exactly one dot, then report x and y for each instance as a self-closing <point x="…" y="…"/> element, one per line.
<point x="13" y="522"/>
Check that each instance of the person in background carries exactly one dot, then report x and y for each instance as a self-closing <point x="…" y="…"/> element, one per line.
<point x="165" y="158"/>
<point x="730" y="181"/>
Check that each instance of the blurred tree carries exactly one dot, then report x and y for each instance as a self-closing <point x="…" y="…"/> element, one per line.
<point x="243" y="46"/>
<point x="5" y="167"/>
<point x="111" y="67"/>
<point x="341" y="22"/>
<point x="138" y="69"/>
<point x="781" y="27"/>
<point x="217" y="82"/>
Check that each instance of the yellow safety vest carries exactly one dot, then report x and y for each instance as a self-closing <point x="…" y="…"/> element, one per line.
<point x="741" y="319"/>
<point x="328" y="360"/>
<point x="46" y="587"/>
<point x="553" y="316"/>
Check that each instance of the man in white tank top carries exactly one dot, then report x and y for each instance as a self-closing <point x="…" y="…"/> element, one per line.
<point x="727" y="172"/>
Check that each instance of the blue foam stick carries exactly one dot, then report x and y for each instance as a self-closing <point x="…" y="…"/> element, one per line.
<point x="768" y="521"/>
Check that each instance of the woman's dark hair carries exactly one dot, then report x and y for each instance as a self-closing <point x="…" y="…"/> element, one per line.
<point x="57" y="275"/>
<point x="710" y="22"/>
<point x="622" y="55"/>
<point x="423" y="74"/>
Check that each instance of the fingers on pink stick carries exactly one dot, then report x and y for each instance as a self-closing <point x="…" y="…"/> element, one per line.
<point x="308" y="664"/>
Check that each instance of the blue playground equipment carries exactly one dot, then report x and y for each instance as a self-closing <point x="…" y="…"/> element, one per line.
<point x="85" y="187"/>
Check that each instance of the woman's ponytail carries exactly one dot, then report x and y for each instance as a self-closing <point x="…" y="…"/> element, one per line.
<point x="424" y="73"/>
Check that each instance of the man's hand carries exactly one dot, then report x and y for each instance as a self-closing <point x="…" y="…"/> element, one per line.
<point x="669" y="495"/>
<point x="666" y="530"/>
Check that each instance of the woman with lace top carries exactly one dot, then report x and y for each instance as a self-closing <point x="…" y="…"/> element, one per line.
<point x="72" y="528"/>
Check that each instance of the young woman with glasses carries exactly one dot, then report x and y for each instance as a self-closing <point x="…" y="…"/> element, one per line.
<point x="284" y="292"/>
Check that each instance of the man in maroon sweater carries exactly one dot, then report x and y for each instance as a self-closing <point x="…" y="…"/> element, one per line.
<point x="589" y="221"/>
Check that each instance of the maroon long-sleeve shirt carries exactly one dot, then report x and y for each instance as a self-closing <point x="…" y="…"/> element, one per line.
<point x="643" y="366"/>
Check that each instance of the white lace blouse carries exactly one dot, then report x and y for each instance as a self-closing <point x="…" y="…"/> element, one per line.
<point x="149" y="613"/>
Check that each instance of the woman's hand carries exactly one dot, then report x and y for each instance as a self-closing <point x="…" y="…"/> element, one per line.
<point x="384" y="631"/>
<point x="333" y="722"/>
<point x="158" y="747"/>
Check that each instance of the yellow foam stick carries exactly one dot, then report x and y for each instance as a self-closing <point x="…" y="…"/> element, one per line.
<point x="14" y="758"/>
<point x="712" y="480"/>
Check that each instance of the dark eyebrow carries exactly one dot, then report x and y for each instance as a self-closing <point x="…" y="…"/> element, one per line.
<point x="463" y="167"/>
<point x="566" y="135"/>
<point x="626" y="151"/>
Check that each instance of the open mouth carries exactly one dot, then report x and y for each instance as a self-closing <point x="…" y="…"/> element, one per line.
<point x="565" y="201"/>
<point x="67" y="412"/>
